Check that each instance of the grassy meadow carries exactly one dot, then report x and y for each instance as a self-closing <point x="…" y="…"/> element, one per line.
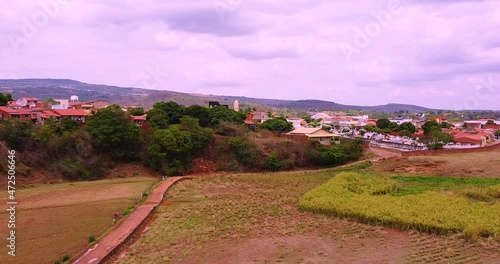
<point x="55" y="220"/>
<point x="437" y="205"/>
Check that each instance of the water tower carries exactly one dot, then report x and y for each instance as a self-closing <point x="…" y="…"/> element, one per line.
<point x="74" y="99"/>
<point x="236" y="106"/>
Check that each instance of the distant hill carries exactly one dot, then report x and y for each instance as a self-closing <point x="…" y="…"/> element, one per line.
<point x="64" y="88"/>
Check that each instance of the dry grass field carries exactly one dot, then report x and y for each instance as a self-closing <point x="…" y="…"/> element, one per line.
<point x="480" y="164"/>
<point x="54" y="220"/>
<point x="253" y="218"/>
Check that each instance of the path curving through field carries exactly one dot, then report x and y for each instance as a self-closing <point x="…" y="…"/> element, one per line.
<point x="112" y="242"/>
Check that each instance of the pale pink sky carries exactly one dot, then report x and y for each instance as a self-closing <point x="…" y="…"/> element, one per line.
<point x="441" y="53"/>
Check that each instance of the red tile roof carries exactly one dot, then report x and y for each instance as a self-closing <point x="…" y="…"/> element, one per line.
<point x="72" y="112"/>
<point x="29" y="98"/>
<point x="143" y="117"/>
<point x="13" y="104"/>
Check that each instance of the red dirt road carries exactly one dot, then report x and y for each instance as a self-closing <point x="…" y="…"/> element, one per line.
<point x="111" y="243"/>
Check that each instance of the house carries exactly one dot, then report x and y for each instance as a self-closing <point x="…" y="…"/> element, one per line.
<point x="9" y="113"/>
<point x="400" y="121"/>
<point x="43" y="115"/>
<point x="470" y="139"/>
<point x="324" y="137"/>
<point x="14" y="105"/>
<point x="250" y="124"/>
<point x="75" y="114"/>
<point x="98" y="104"/>
<point x="29" y="102"/>
<point x="472" y="124"/>
<point x="60" y="104"/>
<point x="372" y="122"/>
<point x="258" y="117"/>
<point x="492" y="127"/>
<point x="297" y="122"/>
<point x="139" y="120"/>
<point x="213" y="104"/>
<point x="320" y="116"/>
<point x="439" y="119"/>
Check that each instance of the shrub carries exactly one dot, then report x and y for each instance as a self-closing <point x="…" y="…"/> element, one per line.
<point x="76" y="168"/>
<point x="16" y="133"/>
<point x="66" y="257"/>
<point x="91" y="239"/>
<point x="244" y="150"/>
<point x="277" y="124"/>
<point x="273" y="163"/>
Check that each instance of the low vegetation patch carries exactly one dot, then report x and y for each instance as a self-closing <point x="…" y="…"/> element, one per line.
<point x="428" y="204"/>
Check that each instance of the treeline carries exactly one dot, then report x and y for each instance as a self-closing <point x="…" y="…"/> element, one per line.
<point x="172" y="138"/>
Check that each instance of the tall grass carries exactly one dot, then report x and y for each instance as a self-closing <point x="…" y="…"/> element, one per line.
<point x="370" y="199"/>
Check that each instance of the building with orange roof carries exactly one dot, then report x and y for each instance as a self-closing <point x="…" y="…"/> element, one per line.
<point x="9" y="113"/>
<point x="75" y="114"/>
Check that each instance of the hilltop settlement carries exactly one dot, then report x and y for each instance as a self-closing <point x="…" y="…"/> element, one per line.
<point x="422" y="132"/>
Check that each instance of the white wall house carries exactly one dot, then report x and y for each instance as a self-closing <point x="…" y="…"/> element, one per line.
<point x="296" y="122"/>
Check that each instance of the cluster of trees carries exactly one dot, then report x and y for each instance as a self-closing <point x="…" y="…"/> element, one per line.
<point x="384" y="125"/>
<point x="434" y="136"/>
<point x="5" y="98"/>
<point x="277" y="124"/>
<point x="176" y="135"/>
<point x="164" y="114"/>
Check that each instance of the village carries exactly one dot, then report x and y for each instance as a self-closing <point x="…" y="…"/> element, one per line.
<point x="400" y="133"/>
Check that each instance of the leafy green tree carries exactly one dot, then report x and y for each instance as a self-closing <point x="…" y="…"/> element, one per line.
<point x="5" y="98"/>
<point x="171" y="150"/>
<point x="113" y="132"/>
<point x="372" y="128"/>
<point x="53" y="127"/>
<point x="139" y="111"/>
<point x="393" y="126"/>
<point x="200" y="136"/>
<point x="332" y="156"/>
<point x="405" y="133"/>
<point x="157" y="118"/>
<point x="308" y="119"/>
<point x="173" y="110"/>
<point x="199" y="112"/>
<point x="490" y="122"/>
<point x="408" y="127"/>
<point x="427" y="126"/>
<point x="16" y="133"/>
<point x="436" y="138"/>
<point x="277" y="124"/>
<point x="497" y="133"/>
<point x="383" y="123"/>
<point x="222" y="114"/>
<point x="446" y="125"/>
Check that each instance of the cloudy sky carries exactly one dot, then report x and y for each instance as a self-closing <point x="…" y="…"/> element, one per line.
<point x="435" y="53"/>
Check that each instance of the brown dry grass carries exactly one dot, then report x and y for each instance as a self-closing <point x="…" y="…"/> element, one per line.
<point x="480" y="164"/>
<point x="54" y="220"/>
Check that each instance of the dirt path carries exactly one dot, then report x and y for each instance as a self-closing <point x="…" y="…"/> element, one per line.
<point x="112" y="242"/>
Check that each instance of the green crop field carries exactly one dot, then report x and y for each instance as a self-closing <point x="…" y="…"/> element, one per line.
<point x="437" y="205"/>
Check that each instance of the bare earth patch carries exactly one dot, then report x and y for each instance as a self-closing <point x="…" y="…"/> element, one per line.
<point x="53" y="220"/>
